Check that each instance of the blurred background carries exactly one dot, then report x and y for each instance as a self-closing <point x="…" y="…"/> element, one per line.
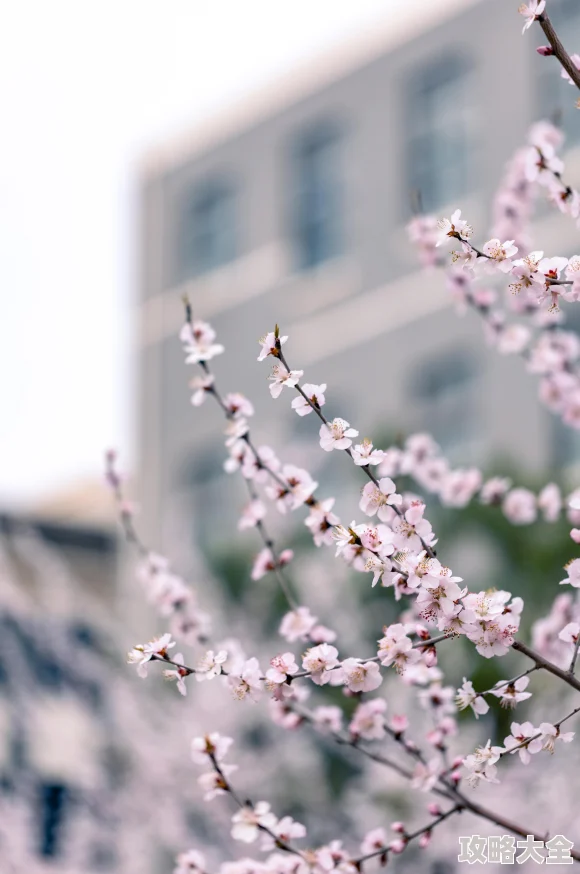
<point x="260" y="157"/>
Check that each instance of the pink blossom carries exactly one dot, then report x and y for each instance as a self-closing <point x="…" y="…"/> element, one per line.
<point x="319" y="660"/>
<point x="531" y="11"/>
<point x="248" y="683"/>
<point x="368" y="721"/>
<point x="321" y="522"/>
<point x="212" y="745"/>
<point x="468" y="697"/>
<point x="454" y="228"/>
<point x="395" y="648"/>
<point x="519" y="507"/>
<point x="143" y="653"/>
<point x="523" y="740"/>
<point x="213" y="784"/>
<point x="198" y="344"/>
<point x="550" y="502"/>
<point x="265" y="562"/>
<point x="459" y="487"/>
<point x="500" y="254"/>
<point x="376" y="498"/>
<point x="570" y="632"/>
<point x="178" y="673"/>
<point x="271" y="343"/>
<point x="252" y="513"/>
<point x="550" y="734"/>
<point x="336" y="435"/>
<point x="300" y="487"/>
<point x="361" y="676"/>
<point x="297" y="624"/>
<point x="513" y="339"/>
<point x="328" y="718"/>
<point x="210" y="665"/>
<point x="248" y="820"/>
<point x="374" y="840"/>
<point x="576" y="61"/>
<point x="425" y="775"/>
<point x="314" y="393"/>
<point x="280" y="377"/>
<point x="191" y="862"/>
<point x="201" y="386"/>
<point x="494" y="490"/>
<point x="363" y="453"/>
<point x="573" y="568"/>
<point x="511" y="694"/>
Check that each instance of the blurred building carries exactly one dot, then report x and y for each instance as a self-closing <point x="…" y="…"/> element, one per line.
<point x="293" y="210"/>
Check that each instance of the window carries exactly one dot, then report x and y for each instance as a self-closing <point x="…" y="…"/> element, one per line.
<point x="438" y="133"/>
<point x="318" y="196"/>
<point x="207" y="234"/>
<point x="443" y="391"/>
<point x="556" y="97"/>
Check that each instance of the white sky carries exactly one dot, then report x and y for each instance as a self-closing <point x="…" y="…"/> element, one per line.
<point x="85" y="89"/>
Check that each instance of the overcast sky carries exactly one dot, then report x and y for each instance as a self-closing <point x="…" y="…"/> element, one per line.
<point x="85" y="90"/>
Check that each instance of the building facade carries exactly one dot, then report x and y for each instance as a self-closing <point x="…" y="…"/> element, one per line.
<point x="296" y="212"/>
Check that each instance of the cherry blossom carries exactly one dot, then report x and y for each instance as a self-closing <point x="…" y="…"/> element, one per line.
<point x="523" y="740"/>
<point x="297" y="624"/>
<point x="314" y="393"/>
<point x="271" y="344"/>
<point x="531" y="11"/>
<point x="374" y="840"/>
<point x="328" y="718"/>
<point x="249" y="681"/>
<point x="468" y="697"/>
<point x="360" y="676"/>
<point x="211" y="665"/>
<point x="252" y="513"/>
<point x="519" y="506"/>
<point x="570" y="633"/>
<point x="265" y="562"/>
<point x="143" y="653"/>
<point x="395" y="648"/>
<point x="248" y="821"/>
<point x="511" y="694"/>
<point x="368" y="721"/>
<point x="375" y="498"/>
<point x="201" y="386"/>
<point x="551" y="733"/>
<point x="500" y="253"/>
<point x="573" y="568"/>
<point x="178" y="673"/>
<point x="336" y="435"/>
<point x="212" y="745"/>
<point x="319" y="660"/>
<point x="321" y="521"/>
<point x="576" y="61"/>
<point x="454" y="228"/>
<point x="364" y="453"/>
<point x="281" y="377"/>
<point x="191" y="862"/>
<point x="198" y="345"/>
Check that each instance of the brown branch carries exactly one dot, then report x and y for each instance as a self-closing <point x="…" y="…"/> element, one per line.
<point x="541" y="662"/>
<point x="558" y="49"/>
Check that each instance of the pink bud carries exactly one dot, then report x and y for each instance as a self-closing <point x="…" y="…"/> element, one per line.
<point x="456" y="777"/>
<point x="425" y="839"/>
<point x="397" y="846"/>
<point x="422" y="632"/>
<point x="430" y="656"/>
<point x="434" y="809"/>
<point x="398" y="827"/>
<point x="545" y="51"/>
<point x="399" y="723"/>
<point x="575" y="535"/>
<point x="457" y="761"/>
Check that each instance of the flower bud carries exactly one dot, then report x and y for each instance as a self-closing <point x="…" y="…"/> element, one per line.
<point x="545" y="51"/>
<point x="430" y="656"/>
<point x="456" y="777"/>
<point x="434" y="809"/>
<point x="398" y="827"/>
<point x="397" y="846"/>
<point x="425" y="839"/>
